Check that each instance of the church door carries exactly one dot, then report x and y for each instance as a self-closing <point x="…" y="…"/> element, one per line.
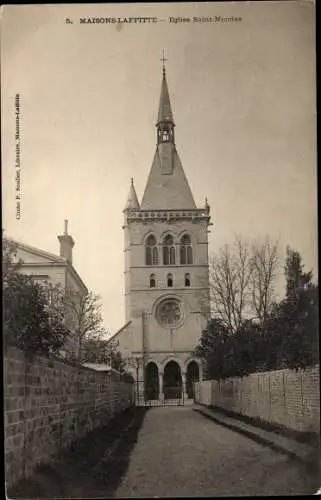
<point x="172" y="381"/>
<point x="151" y="382"/>
<point x="192" y="376"/>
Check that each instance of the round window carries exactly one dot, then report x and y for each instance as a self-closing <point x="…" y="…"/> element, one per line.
<point x="169" y="313"/>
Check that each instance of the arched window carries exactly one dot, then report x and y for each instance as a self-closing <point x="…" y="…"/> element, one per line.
<point x="187" y="279"/>
<point x="152" y="281"/>
<point x="151" y="255"/>
<point x="168" y="251"/>
<point x="170" y="281"/>
<point x="186" y="251"/>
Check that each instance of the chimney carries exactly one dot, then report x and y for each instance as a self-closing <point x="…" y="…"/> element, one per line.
<point x="66" y="244"/>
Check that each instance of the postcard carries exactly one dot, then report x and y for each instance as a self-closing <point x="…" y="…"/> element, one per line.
<point x="160" y="249"/>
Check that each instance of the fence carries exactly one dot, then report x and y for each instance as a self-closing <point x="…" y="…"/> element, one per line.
<point x="49" y="404"/>
<point x="171" y="396"/>
<point x="284" y="397"/>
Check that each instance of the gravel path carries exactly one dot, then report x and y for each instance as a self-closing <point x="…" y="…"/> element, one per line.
<point x="166" y="452"/>
<point x="181" y="453"/>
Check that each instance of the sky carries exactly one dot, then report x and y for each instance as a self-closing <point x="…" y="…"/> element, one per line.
<point x="243" y="94"/>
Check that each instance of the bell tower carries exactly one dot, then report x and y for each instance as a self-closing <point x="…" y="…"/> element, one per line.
<point x="166" y="264"/>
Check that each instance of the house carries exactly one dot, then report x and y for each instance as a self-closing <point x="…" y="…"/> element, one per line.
<point x="45" y="267"/>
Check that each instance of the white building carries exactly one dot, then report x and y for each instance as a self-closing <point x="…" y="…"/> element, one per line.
<point x="53" y="269"/>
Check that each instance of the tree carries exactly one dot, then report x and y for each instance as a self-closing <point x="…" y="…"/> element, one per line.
<point x="286" y="334"/>
<point x="118" y="362"/>
<point x="215" y="349"/>
<point x="264" y="267"/>
<point x="104" y="352"/>
<point x="298" y="315"/>
<point x="230" y="273"/>
<point x="227" y="355"/>
<point x="10" y="265"/>
<point x="28" y="323"/>
<point x="242" y="279"/>
<point x="296" y="279"/>
<point x="83" y="315"/>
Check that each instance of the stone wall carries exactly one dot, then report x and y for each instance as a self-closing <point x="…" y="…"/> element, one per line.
<point x="283" y="397"/>
<point x="49" y="404"/>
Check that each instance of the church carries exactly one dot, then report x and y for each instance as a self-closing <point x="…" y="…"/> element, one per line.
<point x="166" y="273"/>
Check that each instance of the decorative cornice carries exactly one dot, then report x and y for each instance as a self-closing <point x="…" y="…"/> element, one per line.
<point x="169" y="216"/>
<point x="172" y="266"/>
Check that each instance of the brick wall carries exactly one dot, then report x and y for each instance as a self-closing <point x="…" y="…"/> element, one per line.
<point x="49" y="404"/>
<point x="283" y="397"/>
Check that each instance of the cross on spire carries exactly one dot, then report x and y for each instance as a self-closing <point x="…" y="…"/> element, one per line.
<point x="163" y="59"/>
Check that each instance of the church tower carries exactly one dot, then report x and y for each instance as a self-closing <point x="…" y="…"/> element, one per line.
<point x="166" y="271"/>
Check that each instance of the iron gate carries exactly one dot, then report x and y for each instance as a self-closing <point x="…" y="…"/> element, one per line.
<point x="172" y="396"/>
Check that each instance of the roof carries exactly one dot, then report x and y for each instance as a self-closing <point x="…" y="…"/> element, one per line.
<point x="112" y="337"/>
<point x="52" y="258"/>
<point x="132" y="200"/>
<point x="36" y="251"/>
<point x="167" y="191"/>
<point x="167" y="186"/>
<point x="100" y="367"/>
<point x="165" y="110"/>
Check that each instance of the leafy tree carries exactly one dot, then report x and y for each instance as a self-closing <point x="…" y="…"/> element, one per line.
<point x="296" y="279"/>
<point x="284" y="334"/>
<point x="118" y="362"/>
<point x="290" y="333"/>
<point x="298" y="315"/>
<point x="127" y="377"/>
<point x="28" y="323"/>
<point x="10" y="264"/>
<point x="247" y="343"/>
<point x="104" y="352"/>
<point x="215" y="348"/>
<point x="82" y="313"/>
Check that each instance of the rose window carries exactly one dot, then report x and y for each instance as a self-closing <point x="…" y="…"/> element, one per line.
<point x="169" y="313"/>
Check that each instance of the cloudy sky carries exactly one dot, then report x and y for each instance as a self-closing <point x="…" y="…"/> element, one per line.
<point x="243" y="97"/>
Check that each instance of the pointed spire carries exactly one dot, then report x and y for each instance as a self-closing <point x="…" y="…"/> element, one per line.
<point x="132" y="200"/>
<point x="165" y="111"/>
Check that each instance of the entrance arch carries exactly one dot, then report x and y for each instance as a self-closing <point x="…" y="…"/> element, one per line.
<point x="151" y="381"/>
<point x="192" y="375"/>
<point x="172" y="381"/>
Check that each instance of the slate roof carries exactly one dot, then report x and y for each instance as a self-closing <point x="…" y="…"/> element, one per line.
<point x="132" y="200"/>
<point x="167" y="191"/>
<point x="165" y="110"/>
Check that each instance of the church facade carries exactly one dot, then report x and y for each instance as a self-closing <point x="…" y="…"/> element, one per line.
<point x="166" y="272"/>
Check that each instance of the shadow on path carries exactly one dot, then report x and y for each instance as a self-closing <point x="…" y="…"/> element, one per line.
<point x="91" y="468"/>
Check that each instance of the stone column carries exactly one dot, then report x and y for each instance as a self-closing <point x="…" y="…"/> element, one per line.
<point x="200" y="372"/>
<point x="184" y="385"/>
<point x="161" y="395"/>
